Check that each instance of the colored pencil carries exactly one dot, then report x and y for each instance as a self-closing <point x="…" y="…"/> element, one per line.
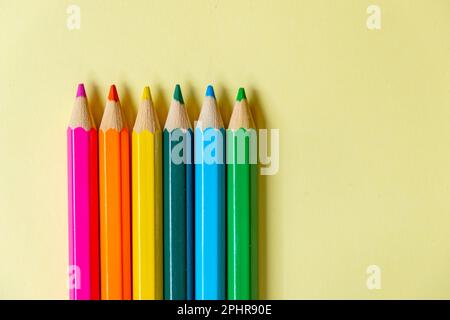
<point x="115" y="228"/>
<point x="209" y="152"/>
<point x="178" y="202"/>
<point x="83" y="202"/>
<point x="147" y="202"/>
<point x="242" y="275"/>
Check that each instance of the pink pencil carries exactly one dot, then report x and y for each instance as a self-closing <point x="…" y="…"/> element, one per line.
<point x="82" y="151"/>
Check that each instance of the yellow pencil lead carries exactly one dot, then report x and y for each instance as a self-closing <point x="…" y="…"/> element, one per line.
<point x="146" y="95"/>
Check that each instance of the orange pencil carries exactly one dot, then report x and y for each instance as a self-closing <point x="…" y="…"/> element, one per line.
<point x="115" y="224"/>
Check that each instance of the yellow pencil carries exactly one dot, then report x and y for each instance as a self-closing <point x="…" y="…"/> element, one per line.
<point x="147" y="202"/>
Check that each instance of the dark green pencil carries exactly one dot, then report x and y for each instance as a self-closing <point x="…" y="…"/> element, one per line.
<point x="178" y="202"/>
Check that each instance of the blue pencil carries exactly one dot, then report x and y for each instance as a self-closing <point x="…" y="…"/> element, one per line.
<point x="209" y="152"/>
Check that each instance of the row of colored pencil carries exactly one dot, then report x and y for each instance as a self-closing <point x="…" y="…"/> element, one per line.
<point x="175" y="220"/>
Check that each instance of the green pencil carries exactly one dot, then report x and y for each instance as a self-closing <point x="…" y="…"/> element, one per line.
<point x="178" y="202"/>
<point x="242" y="222"/>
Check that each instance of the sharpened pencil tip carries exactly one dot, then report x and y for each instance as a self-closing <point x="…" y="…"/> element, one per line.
<point x="177" y="95"/>
<point x="210" y="92"/>
<point x="80" y="91"/>
<point x="146" y="95"/>
<point x="113" y="96"/>
<point x="241" y="94"/>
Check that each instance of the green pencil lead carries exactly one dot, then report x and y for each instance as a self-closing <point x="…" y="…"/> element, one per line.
<point x="177" y="95"/>
<point x="241" y="94"/>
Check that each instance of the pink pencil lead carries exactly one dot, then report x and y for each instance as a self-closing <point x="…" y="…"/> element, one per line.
<point x="81" y="92"/>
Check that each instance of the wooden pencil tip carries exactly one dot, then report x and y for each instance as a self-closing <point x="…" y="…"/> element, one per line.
<point x="177" y="95"/>
<point x="241" y="94"/>
<point x="80" y="91"/>
<point x="146" y="95"/>
<point x="113" y="96"/>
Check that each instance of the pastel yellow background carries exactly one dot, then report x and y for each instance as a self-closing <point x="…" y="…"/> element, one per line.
<point x="364" y="119"/>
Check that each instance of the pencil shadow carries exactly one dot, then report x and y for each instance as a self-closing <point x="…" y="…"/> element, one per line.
<point x="96" y="104"/>
<point x="225" y="103"/>
<point x="192" y="103"/>
<point x="128" y="104"/>
<point x="161" y="104"/>
<point x="257" y="110"/>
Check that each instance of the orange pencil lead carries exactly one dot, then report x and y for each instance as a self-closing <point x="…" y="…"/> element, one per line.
<point x="113" y="96"/>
